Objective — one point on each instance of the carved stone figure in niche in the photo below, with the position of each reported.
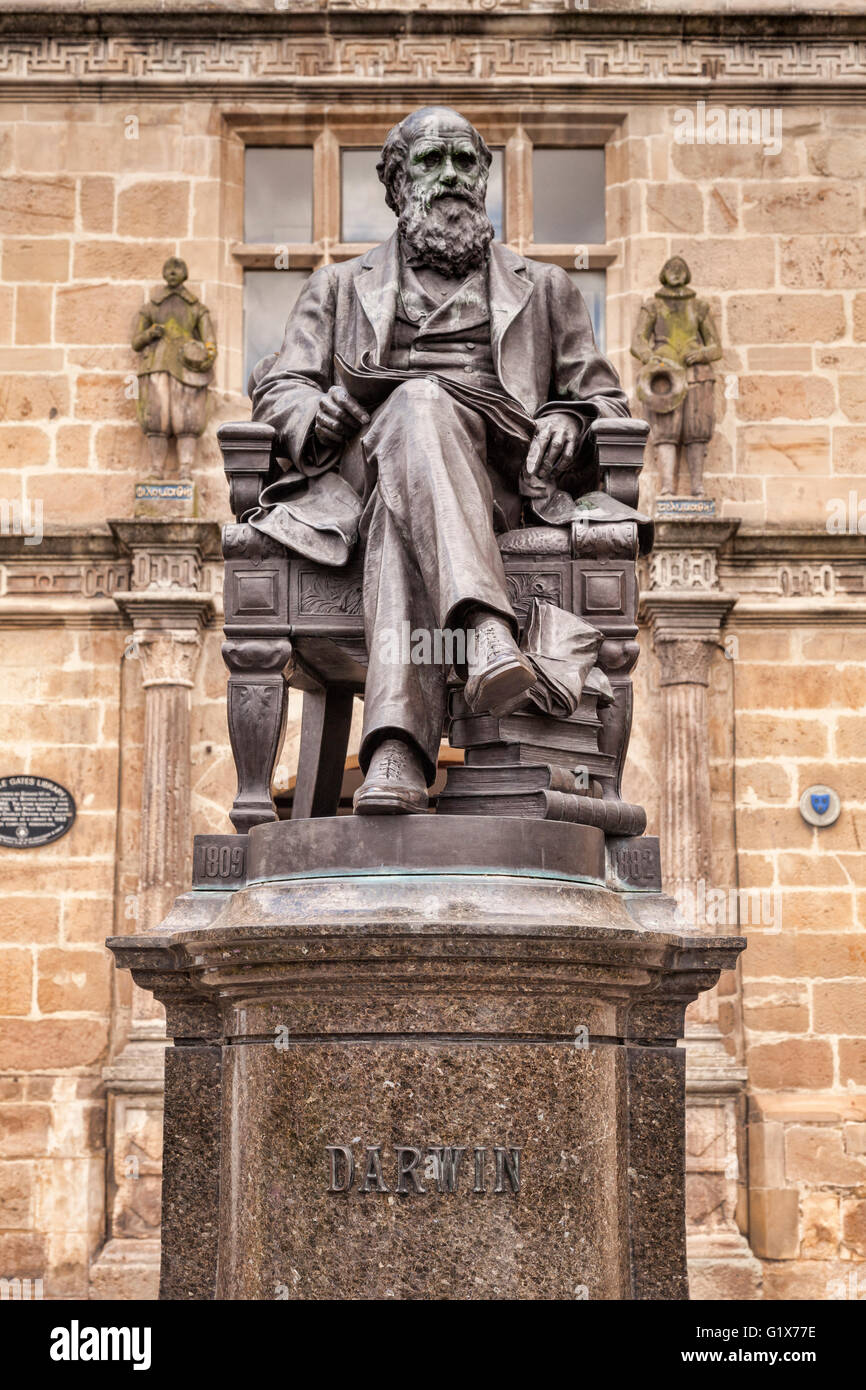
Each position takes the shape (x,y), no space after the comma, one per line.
(424,394)
(176,338)
(676,340)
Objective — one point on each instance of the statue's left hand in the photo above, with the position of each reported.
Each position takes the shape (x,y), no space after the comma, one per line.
(553,445)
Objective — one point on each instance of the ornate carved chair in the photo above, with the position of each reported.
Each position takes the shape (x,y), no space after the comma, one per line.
(292,622)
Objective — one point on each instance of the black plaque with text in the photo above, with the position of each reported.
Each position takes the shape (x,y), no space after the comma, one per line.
(33,811)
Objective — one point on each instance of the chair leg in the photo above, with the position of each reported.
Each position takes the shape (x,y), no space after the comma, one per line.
(325,725)
(257,707)
(617,659)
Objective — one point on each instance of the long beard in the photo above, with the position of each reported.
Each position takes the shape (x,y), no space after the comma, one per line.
(450,235)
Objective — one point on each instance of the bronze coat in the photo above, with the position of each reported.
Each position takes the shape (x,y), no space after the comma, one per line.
(541,336)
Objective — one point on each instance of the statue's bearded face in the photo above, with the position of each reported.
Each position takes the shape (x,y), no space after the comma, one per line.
(443,222)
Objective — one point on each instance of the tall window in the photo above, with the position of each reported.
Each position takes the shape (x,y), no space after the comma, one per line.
(319,200)
(568,218)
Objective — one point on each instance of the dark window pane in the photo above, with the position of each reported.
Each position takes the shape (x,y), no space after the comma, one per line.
(268,297)
(568,196)
(278,195)
(591,285)
(365,216)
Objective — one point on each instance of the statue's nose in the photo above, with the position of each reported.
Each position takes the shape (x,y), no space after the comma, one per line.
(449,173)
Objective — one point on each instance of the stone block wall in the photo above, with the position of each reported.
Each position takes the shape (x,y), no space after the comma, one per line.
(776,243)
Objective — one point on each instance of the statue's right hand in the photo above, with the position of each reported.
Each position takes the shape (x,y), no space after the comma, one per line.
(339,416)
(156,331)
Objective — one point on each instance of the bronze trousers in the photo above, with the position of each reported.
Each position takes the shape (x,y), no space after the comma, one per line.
(430,553)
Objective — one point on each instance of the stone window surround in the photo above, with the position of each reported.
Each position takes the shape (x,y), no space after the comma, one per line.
(329,133)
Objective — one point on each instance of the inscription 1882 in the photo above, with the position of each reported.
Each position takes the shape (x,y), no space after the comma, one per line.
(437,1167)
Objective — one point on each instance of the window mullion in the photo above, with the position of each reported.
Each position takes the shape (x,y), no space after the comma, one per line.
(326,191)
(518,189)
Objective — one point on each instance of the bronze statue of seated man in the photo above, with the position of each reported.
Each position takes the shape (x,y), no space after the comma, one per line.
(423,395)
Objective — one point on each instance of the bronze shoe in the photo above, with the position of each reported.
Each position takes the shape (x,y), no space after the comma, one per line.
(498,675)
(395,784)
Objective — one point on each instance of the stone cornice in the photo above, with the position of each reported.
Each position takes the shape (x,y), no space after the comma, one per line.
(750,544)
(686,613)
(368,18)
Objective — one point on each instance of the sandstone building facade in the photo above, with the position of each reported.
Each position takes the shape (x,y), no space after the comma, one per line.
(129,134)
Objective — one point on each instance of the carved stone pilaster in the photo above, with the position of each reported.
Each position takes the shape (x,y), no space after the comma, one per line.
(167,609)
(687,610)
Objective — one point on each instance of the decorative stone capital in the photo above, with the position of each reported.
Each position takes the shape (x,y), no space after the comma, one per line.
(688,616)
(684,660)
(169,656)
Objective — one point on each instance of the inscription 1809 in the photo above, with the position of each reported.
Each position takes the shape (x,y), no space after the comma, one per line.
(437,1167)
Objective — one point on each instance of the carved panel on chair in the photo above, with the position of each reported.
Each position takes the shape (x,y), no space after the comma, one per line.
(604,591)
(338,593)
(525,585)
(256,597)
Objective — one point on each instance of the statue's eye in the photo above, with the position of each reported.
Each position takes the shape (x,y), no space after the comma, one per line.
(465,159)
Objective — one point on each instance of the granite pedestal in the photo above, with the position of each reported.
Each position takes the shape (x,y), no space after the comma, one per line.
(404,1069)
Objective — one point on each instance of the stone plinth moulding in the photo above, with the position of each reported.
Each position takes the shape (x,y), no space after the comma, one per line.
(167,607)
(687,609)
(406,1069)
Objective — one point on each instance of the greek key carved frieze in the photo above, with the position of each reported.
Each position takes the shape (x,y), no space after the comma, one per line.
(634,61)
(86,580)
(793,578)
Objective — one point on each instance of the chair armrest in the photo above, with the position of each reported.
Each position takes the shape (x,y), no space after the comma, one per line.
(620,445)
(248,454)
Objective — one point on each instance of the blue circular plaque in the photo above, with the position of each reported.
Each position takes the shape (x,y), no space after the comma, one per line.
(820,805)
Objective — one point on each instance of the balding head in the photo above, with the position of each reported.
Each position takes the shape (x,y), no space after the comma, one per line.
(431,124)
(434,166)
